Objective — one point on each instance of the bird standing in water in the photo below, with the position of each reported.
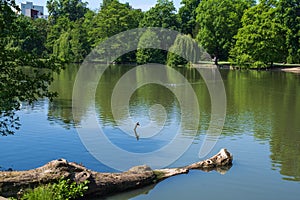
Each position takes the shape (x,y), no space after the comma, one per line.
(136,134)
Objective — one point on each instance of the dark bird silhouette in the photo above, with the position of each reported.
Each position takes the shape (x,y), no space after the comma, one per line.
(136,134)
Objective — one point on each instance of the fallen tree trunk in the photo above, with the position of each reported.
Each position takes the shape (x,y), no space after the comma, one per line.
(101,184)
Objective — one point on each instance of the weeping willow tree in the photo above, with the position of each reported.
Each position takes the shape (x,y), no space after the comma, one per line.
(71,46)
(62,47)
(184,51)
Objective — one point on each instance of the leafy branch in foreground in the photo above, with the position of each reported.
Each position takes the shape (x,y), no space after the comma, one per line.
(18,82)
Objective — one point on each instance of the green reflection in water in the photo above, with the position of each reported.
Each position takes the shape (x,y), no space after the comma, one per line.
(263,104)
(270,103)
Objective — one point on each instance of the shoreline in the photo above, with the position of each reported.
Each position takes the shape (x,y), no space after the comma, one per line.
(293,69)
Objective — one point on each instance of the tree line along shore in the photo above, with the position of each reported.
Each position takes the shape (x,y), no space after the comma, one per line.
(246,33)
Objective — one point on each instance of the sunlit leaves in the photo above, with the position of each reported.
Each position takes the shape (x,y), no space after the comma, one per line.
(289,16)
(161,15)
(261,40)
(219,21)
(112,19)
(72,9)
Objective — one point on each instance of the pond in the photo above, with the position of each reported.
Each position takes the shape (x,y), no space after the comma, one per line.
(261,130)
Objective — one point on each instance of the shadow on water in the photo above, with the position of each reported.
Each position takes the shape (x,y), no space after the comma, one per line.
(129,194)
(145,190)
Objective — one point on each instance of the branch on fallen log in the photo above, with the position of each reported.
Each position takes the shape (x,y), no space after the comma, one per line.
(101,184)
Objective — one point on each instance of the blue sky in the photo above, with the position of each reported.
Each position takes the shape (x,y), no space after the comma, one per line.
(95,4)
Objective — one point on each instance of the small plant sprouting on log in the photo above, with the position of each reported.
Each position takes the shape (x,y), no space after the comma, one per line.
(63,190)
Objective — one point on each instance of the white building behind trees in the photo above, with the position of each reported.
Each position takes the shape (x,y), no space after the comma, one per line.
(34,11)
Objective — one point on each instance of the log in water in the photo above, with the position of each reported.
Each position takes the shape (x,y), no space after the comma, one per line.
(101,184)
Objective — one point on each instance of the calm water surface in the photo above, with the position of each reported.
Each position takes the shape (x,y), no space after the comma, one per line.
(262,131)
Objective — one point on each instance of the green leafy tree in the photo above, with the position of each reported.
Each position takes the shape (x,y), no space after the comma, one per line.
(58,38)
(113,19)
(62,24)
(183,45)
(62,47)
(219,21)
(32,35)
(68,40)
(88,25)
(73,9)
(145,55)
(289,15)
(187,14)
(106,3)
(261,40)
(72,44)
(17,83)
(161,15)
(40,36)
(79,43)
(68,37)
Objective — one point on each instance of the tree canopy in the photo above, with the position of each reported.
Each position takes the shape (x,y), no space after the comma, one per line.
(261,40)
(72,9)
(219,21)
(163,14)
(145,55)
(187,15)
(184,46)
(20,48)
(289,16)
(114,18)
(218,26)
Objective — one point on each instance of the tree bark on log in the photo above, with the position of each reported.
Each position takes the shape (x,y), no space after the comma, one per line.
(102,184)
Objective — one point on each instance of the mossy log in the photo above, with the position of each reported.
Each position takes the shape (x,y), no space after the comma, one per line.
(101,184)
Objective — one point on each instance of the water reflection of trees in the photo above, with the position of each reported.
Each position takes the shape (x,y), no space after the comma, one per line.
(60,109)
(285,140)
(267,103)
(60,112)
(264,104)
(143,98)
(104,92)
